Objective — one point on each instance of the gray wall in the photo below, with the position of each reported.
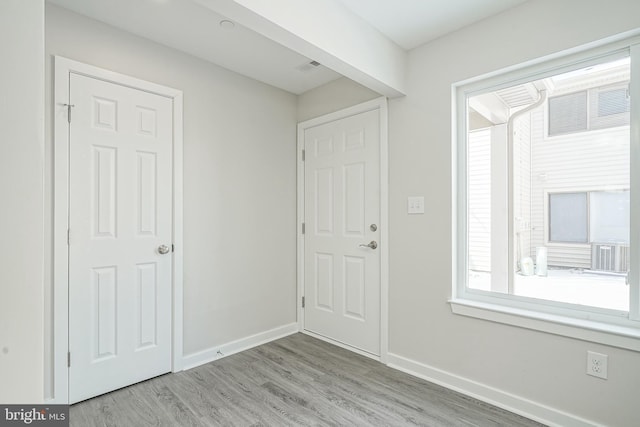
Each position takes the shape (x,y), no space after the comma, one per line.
(333,96)
(21,192)
(543,368)
(239,180)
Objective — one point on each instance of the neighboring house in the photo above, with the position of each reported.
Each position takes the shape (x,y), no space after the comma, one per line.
(570,174)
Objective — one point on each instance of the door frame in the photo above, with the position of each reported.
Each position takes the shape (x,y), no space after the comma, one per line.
(63,68)
(379,104)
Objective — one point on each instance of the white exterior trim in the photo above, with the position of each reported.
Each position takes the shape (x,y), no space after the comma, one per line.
(634,274)
(63,68)
(375,104)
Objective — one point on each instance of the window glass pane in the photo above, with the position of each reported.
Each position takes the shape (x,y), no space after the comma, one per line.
(609,217)
(568,113)
(609,107)
(568,217)
(541,221)
(613,102)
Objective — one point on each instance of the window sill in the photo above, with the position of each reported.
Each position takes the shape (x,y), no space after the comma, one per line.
(586,330)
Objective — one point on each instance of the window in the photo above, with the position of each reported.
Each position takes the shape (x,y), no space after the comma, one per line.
(612,102)
(612,107)
(588,217)
(543,225)
(609,214)
(596,108)
(568,217)
(568,113)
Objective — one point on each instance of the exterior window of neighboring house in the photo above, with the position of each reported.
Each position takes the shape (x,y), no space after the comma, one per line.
(589,217)
(544,199)
(597,108)
(568,217)
(568,113)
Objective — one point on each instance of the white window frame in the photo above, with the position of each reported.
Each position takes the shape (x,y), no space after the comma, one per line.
(615,328)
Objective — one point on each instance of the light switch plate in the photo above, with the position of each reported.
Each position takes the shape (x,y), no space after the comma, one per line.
(415,205)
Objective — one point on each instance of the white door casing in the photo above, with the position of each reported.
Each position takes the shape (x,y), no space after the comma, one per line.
(344,281)
(120,164)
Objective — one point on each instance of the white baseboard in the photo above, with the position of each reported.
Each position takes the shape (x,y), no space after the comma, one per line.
(502,399)
(218,352)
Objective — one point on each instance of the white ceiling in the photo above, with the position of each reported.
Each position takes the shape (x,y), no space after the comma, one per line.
(411,23)
(194,29)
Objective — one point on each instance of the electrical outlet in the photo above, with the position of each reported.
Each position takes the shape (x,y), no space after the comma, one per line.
(597,364)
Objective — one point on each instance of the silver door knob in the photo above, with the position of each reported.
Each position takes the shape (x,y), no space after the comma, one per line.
(372,244)
(163,249)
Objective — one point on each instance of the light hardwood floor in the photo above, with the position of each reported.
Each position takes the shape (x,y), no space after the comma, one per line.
(294,381)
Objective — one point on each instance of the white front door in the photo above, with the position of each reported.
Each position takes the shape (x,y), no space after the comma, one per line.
(120,215)
(342,222)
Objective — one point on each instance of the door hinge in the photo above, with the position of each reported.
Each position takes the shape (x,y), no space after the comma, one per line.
(68,359)
(302,302)
(303,155)
(173,248)
(68,236)
(69,106)
(303,228)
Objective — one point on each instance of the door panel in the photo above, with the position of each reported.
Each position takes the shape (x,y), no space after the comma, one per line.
(354,284)
(146,311)
(354,192)
(324,282)
(104,312)
(342,201)
(119,214)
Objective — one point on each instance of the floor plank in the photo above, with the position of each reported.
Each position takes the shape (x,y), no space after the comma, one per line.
(294,381)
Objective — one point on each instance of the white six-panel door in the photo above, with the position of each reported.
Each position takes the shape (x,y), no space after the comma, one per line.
(120,214)
(342,216)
